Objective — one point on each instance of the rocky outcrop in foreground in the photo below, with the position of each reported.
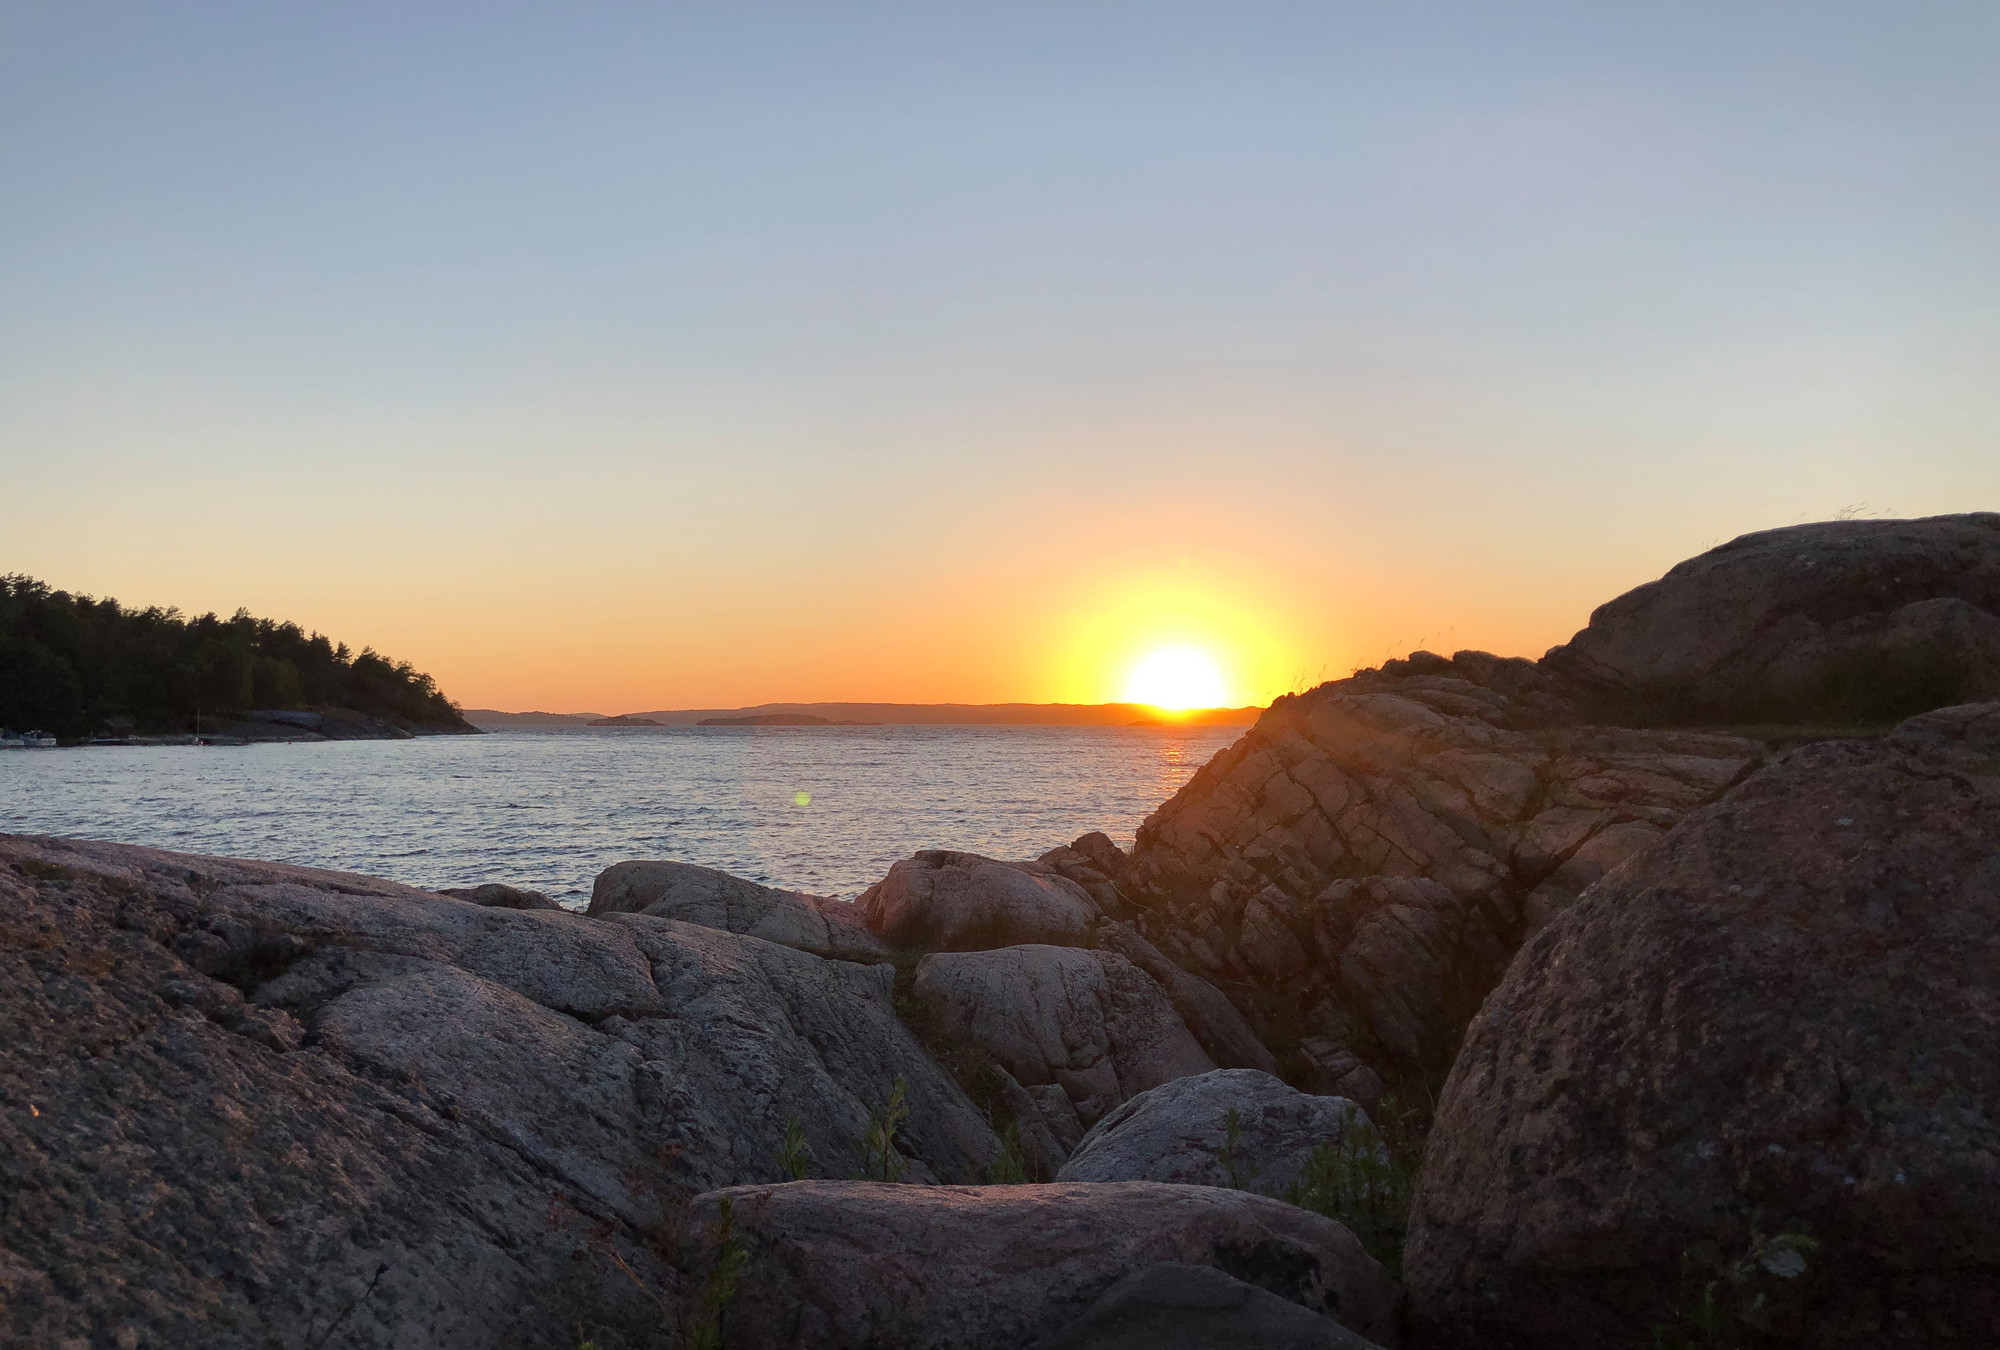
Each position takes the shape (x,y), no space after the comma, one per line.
(1768,1049)
(248,1102)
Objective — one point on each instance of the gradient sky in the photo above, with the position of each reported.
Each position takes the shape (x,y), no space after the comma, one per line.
(622,357)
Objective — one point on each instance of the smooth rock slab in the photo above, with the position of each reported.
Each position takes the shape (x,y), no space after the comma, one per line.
(1179,1132)
(1782,1020)
(834,1265)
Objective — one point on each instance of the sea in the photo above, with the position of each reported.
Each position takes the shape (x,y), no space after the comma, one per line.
(818,809)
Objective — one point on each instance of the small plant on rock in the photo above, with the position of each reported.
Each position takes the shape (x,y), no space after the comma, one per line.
(1735,1304)
(1007,1168)
(880,1160)
(719,1289)
(793,1159)
(1364,1179)
(1240,1171)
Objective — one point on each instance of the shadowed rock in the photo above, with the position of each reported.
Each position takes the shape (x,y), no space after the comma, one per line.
(1780,1022)
(831,1265)
(702,895)
(1179,1132)
(1850,621)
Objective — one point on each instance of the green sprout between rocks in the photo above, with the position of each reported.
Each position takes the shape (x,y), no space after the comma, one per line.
(1241,1172)
(793,1159)
(1734,1304)
(1007,1168)
(880,1160)
(1364,1179)
(719,1289)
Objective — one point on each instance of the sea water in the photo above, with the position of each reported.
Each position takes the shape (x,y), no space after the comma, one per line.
(820,809)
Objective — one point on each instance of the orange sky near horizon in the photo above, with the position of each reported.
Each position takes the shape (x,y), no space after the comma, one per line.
(1064,620)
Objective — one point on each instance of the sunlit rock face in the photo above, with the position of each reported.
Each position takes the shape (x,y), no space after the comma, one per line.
(940,900)
(1357,871)
(1854,621)
(1778,1025)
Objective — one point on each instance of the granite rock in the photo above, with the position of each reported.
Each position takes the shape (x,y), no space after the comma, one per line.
(1779,1023)
(944,901)
(1854,621)
(1179,1132)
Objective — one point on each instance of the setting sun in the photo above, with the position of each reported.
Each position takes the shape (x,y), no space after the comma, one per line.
(1175,678)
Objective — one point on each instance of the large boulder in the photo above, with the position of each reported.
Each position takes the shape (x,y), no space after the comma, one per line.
(1179,1307)
(249,1101)
(959,902)
(1777,1029)
(713,899)
(1088,1022)
(1849,621)
(1356,872)
(1181,1132)
(831,1265)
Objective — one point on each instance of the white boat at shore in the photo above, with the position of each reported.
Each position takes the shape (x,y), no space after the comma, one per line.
(26,740)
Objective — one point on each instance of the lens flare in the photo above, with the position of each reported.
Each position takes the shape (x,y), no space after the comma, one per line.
(1176,679)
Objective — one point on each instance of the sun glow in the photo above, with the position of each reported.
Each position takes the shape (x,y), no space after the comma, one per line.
(1175,679)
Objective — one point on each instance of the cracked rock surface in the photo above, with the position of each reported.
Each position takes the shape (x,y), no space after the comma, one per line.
(249,1104)
(1357,871)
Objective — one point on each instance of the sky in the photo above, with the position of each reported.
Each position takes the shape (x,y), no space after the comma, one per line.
(616,357)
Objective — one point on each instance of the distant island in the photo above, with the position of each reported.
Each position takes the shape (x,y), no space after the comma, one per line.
(778,720)
(624,720)
(891,714)
(88,669)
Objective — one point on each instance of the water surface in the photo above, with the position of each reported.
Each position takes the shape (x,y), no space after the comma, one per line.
(550,807)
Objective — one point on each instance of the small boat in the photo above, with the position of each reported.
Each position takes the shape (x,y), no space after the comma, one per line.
(26,740)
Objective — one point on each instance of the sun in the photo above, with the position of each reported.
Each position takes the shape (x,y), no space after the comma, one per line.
(1175,679)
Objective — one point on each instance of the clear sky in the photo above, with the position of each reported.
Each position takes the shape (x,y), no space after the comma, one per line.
(634,356)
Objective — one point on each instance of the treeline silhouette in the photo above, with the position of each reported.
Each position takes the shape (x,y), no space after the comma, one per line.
(69,664)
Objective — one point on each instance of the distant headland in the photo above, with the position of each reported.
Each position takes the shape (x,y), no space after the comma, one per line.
(84,669)
(884,714)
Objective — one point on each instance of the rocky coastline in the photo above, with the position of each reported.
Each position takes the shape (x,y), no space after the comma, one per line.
(1639,996)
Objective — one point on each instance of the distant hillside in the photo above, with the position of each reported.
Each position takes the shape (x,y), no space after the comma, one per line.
(898,714)
(78,666)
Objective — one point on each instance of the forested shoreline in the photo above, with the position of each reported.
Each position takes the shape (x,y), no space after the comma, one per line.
(78,666)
